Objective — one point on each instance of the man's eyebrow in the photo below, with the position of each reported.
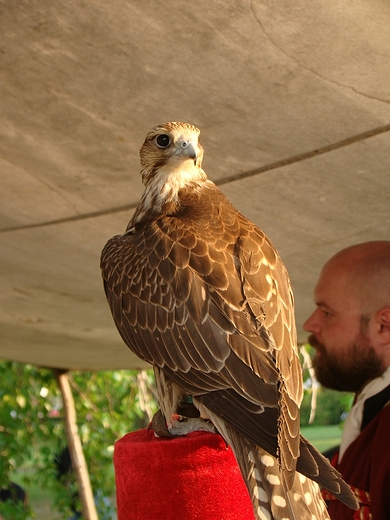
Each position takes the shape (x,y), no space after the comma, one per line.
(320,303)
(328,308)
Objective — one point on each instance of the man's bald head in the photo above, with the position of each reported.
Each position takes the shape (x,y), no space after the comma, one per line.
(366,268)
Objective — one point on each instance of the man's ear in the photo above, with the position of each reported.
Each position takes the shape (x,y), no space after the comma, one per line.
(383,321)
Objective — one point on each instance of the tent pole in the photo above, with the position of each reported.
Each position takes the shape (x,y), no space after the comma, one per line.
(75,448)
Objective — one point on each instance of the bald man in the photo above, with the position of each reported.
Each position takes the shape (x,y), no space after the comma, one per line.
(350,330)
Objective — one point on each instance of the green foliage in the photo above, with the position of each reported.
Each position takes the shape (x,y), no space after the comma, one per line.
(331,407)
(109,404)
(13,511)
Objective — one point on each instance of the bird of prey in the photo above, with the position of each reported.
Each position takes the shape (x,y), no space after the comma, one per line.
(200,292)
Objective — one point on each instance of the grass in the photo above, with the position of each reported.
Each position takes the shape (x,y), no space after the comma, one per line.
(323,437)
(42,504)
(40,500)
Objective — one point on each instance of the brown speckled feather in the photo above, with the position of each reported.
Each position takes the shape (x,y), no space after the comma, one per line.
(198,291)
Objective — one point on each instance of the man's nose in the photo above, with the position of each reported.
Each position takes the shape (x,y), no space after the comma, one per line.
(311,324)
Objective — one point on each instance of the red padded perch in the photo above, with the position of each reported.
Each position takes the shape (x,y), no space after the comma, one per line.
(195,477)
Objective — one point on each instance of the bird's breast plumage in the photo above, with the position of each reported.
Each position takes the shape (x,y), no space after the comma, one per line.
(206,263)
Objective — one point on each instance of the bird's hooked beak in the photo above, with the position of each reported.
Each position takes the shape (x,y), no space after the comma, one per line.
(187,148)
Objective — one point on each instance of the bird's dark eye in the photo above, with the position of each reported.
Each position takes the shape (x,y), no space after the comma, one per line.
(163,141)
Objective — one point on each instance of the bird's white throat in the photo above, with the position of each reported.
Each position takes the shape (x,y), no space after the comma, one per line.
(171,178)
(165,185)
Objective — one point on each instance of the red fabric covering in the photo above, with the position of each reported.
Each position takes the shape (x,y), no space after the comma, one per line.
(193,478)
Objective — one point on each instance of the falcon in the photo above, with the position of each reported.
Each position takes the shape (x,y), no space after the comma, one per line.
(199,291)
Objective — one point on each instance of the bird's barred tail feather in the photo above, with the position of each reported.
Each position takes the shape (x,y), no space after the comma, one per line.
(269,494)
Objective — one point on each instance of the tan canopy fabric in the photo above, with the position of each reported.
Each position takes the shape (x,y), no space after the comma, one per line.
(293,103)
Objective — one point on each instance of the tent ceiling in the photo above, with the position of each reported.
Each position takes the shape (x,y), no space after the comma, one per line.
(293,103)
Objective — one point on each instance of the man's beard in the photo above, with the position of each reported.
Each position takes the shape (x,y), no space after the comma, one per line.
(350,368)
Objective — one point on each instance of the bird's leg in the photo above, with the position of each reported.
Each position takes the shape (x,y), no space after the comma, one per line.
(183,425)
(178,415)
(186,420)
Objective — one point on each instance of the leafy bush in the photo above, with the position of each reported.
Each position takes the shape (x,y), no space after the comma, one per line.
(109,404)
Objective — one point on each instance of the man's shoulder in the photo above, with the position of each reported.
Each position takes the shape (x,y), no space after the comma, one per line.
(382,419)
(384,413)
(376,434)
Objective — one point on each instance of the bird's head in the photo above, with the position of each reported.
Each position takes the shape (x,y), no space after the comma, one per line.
(171,146)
